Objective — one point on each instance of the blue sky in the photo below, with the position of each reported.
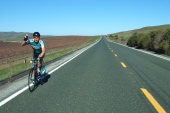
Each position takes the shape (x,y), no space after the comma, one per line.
(81,17)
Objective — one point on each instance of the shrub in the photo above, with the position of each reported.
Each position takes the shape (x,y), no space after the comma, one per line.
(145,41)
(158,41)
(133,40)
(164,46)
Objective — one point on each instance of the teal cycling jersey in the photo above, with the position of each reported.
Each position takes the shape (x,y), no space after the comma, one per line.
(37,47)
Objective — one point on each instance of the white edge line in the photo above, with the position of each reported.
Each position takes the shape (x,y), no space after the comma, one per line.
(13,96)
(25,88)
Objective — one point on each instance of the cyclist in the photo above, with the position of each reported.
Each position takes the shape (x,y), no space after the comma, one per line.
(39,50)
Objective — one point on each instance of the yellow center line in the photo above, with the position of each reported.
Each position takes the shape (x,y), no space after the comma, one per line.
(115,55)
(153,101)
(123,64)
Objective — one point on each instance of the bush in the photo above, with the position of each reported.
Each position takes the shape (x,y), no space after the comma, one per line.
(144,42)
(166,36)
(133,40)
(158,41)
(164,46)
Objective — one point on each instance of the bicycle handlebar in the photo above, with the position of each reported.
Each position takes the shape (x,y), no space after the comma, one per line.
(31,60)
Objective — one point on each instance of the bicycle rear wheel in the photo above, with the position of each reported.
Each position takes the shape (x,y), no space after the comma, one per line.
(32,80)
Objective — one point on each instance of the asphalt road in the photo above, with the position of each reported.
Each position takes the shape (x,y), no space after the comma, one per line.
(106,78)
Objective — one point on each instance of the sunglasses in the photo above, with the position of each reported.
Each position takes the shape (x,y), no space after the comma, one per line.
(36,37)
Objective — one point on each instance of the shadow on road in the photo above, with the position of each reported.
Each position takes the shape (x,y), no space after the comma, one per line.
(44,79)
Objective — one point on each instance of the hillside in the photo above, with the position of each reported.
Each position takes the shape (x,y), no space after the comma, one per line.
(15,36)
(127,34)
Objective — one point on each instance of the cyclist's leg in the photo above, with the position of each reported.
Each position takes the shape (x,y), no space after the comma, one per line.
(43,69)
(35,56)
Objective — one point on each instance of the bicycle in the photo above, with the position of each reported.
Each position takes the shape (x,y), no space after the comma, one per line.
(33,79)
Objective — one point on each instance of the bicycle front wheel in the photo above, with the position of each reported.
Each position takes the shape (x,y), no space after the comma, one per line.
(31,80)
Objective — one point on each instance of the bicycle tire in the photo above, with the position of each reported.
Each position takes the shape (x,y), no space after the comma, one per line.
(31,79)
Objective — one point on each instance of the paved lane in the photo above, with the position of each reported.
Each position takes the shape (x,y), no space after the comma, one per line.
(97,82)
(148,71)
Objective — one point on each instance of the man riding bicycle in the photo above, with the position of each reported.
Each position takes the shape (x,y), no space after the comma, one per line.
(39,50)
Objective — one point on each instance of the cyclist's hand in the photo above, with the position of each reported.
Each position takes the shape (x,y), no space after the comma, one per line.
(26,37)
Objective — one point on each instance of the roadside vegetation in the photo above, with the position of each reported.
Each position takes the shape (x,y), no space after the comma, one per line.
(12,65)
(157,41)
(155,38)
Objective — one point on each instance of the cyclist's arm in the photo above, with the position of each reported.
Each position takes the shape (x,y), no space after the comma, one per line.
(43,52)
(23,43)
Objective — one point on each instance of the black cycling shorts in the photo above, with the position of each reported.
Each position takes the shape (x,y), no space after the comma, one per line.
(35,55)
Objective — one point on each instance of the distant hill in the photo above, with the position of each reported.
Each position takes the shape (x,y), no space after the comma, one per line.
(16,36)
(127,34)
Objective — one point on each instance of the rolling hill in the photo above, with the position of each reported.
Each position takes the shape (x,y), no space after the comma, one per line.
(127,34)
(16,36)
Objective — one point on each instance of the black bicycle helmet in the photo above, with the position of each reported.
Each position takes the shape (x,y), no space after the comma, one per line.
(36,34)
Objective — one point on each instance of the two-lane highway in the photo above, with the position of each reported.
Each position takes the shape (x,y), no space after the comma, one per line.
(106,78)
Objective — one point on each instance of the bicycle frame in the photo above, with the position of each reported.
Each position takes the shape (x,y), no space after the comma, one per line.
(34,65)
